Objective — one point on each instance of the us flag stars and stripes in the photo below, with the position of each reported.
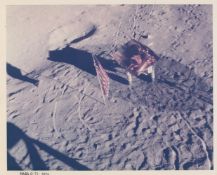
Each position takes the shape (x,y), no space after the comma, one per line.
(102,77)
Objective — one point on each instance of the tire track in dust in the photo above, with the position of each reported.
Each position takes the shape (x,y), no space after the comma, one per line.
(205,147)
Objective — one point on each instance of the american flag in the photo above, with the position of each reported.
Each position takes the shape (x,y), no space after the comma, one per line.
(102,77)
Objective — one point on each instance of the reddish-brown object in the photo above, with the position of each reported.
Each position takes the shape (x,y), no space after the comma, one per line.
(135,57)
(102,77)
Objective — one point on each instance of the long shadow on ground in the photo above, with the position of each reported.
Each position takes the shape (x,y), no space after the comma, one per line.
(16,73)
(83,60)
(15,134)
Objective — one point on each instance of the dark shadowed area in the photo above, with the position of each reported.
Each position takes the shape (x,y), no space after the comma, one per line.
(15,135)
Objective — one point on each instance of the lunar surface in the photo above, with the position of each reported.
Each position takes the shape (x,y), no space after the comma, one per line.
(56,116)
